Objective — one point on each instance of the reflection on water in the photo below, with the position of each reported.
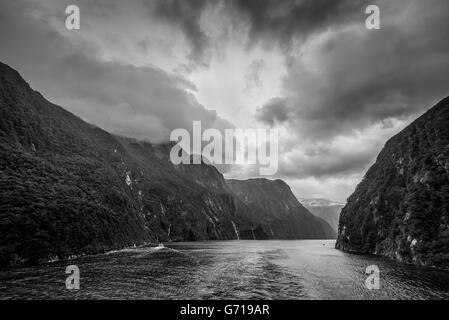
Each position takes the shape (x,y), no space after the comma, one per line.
(309,269)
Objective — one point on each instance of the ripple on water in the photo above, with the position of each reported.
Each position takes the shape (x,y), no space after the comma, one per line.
(226,270)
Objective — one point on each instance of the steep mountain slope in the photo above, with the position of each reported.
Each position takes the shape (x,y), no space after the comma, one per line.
(279,211)
(325,209)
(69,188)
(401,207)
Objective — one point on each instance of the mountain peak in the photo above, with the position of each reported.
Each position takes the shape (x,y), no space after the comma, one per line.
(320,202)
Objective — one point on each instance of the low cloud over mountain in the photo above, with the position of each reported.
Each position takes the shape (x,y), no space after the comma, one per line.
(335,90)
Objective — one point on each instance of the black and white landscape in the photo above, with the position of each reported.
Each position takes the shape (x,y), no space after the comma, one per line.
(87,176)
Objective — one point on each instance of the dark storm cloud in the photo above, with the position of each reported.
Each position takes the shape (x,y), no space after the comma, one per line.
(348,79)
(142,102)
(274,111)
(341,78)
(366,77)
(186,15)
(280,22)
(270,21)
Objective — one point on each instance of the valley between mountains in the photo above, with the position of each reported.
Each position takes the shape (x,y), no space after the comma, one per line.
(70,188)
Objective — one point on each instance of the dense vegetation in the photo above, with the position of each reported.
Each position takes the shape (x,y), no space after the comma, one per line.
(285,219)
(401,208)
(70,188)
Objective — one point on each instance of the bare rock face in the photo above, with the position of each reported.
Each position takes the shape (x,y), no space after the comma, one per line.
(401,207)
(70,188)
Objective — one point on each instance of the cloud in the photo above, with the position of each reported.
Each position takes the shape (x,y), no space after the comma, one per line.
(274,111)
(186,15)
(340,90)
(343,156)
(336,189)
(350,78)
(344,82)
(142,102)
(348,90)
(282,22)
(341,76)
(270,22)
(253,75)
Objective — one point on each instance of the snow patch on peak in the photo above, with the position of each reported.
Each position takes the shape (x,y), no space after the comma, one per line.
(320,202)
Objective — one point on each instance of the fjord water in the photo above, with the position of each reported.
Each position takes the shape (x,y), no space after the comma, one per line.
(306,269)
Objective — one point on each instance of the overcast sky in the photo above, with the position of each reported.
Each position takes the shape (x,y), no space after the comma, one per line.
(335,90)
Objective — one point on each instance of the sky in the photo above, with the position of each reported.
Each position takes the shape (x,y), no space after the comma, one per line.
(335,90)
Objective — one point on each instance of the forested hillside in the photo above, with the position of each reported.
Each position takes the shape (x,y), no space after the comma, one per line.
(70,188)
(401,208)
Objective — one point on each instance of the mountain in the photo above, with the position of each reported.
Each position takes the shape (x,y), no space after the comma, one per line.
(401,207)
(279,210)
(70,188)
(325,209)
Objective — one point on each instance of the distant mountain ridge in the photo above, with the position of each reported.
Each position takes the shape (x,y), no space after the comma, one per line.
(320,202)
(70,188)
(401,207)
(286,218)
(325,209)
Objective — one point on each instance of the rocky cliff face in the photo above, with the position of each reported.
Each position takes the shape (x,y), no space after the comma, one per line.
(325,209)
(70,188)
(280,213)
(401,208)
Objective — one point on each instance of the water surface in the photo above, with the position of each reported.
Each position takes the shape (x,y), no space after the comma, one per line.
(303,269)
